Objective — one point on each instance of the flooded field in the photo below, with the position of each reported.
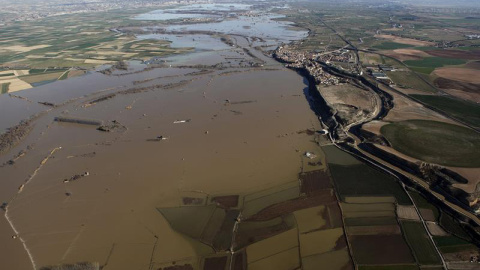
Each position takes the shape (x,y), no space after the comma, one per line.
(226,147)
(192,11)
(181,143)
(120,162)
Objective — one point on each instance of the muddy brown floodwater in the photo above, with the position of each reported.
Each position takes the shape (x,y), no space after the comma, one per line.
(81,194)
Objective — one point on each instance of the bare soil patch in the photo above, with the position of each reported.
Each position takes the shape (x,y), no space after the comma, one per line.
(475,97)
(374,126)
(406,109)
(407,54)
(456,54)
(407,212)
(16,85)
(445,83)
(347,94)
(473,176)
(459,74)
(351,103)
(473,65)
(408,41)
(75,73)
(435,229)
(22,49)
(465,255)
(427,214)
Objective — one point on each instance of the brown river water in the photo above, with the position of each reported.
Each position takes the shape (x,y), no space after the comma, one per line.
(241,135)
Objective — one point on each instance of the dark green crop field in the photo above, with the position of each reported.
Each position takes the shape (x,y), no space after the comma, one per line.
(435,142)
(420,243)
(466,111)
(391,46)
(429,64)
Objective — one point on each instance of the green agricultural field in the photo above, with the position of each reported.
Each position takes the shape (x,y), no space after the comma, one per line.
(5,88)
(435,142)
(64,76)
(450,244)
(421,202)
(354,178)
(461,21)
(362,180)
(429,64)
(42,77)
(371,221)
(391,46)
(452,226)
(421,245)
(69,40)
(408,79)
(463,110)
(380,249)
(422,70)
(427,48)
(388,267)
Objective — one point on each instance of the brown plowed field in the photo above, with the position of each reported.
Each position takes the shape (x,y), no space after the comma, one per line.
(407,212)
(312,182)
(407,54)
(216,263)
(445,83)
(388,249)
(459,74)
(226,201)
(408,41)
(457,54)
(427,214)
(473,65)
(373,230)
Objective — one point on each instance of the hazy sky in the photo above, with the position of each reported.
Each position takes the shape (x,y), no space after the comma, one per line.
(452,3)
